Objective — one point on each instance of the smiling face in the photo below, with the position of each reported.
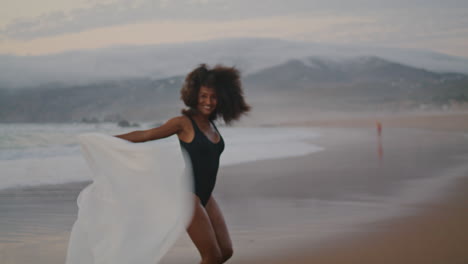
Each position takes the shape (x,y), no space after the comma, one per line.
(207,101)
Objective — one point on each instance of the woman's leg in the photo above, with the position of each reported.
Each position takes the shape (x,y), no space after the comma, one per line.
(219,225)
(203,236)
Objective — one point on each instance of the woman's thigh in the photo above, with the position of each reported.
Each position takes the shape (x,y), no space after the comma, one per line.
(202,233)
(219,225)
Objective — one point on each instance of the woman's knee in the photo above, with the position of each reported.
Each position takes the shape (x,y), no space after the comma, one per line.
(214,256)
(226,254)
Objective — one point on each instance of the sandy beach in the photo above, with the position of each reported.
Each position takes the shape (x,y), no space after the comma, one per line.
(400,198)
(438,233)
(435,233)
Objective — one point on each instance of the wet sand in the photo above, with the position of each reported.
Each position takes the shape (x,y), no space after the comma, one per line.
(436,233)
(436,121)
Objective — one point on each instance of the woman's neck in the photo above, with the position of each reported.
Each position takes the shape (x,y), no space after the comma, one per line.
(201,118)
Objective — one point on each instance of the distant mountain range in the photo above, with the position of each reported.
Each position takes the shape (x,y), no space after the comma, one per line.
(369,69)
(362,83)
(296,86)
(166,60)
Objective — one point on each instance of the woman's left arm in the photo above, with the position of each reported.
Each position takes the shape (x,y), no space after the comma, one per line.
(171,127)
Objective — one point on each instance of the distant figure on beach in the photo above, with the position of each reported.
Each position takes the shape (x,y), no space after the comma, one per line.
(379,140)
(379,128)
(208,94)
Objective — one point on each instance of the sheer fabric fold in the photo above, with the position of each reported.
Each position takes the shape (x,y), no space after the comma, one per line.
(137,205)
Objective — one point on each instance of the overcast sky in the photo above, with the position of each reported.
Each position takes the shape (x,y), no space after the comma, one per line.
(51,26)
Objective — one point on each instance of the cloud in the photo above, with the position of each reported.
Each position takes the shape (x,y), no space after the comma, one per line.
(382,22)
(100,15)
(286,27)
(105,13)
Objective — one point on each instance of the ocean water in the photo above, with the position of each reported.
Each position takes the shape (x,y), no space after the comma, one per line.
(38,154)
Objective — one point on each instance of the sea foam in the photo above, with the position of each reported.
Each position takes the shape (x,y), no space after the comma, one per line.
(32,154)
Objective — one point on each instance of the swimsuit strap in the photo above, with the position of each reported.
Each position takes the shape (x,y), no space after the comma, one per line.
(215,127)
(196,128)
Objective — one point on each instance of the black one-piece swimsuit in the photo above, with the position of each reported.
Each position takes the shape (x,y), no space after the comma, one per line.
(204,157)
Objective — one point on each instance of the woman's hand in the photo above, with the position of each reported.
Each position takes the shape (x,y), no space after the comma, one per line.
(171,127)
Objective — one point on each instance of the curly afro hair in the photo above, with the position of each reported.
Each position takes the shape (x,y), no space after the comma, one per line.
(226,82)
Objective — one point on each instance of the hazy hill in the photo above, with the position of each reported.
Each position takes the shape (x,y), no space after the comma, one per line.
(362,83)
(308,84)
(328,71)
(135,99)
(162,61)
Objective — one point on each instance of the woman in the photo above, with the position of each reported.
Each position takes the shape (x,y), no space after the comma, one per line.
(208,94)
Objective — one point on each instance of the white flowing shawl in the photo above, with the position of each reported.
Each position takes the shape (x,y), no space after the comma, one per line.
(137,205)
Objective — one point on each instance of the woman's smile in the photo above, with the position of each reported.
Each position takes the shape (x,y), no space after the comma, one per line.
(207,100)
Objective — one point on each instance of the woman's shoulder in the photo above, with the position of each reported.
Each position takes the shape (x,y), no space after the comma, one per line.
(182,120)
(185,127)
(179,118)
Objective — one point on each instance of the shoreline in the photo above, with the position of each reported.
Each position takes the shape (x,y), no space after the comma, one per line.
(437,121)
(437,232)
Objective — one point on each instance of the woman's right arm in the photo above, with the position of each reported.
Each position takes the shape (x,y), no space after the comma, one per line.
(171,127)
